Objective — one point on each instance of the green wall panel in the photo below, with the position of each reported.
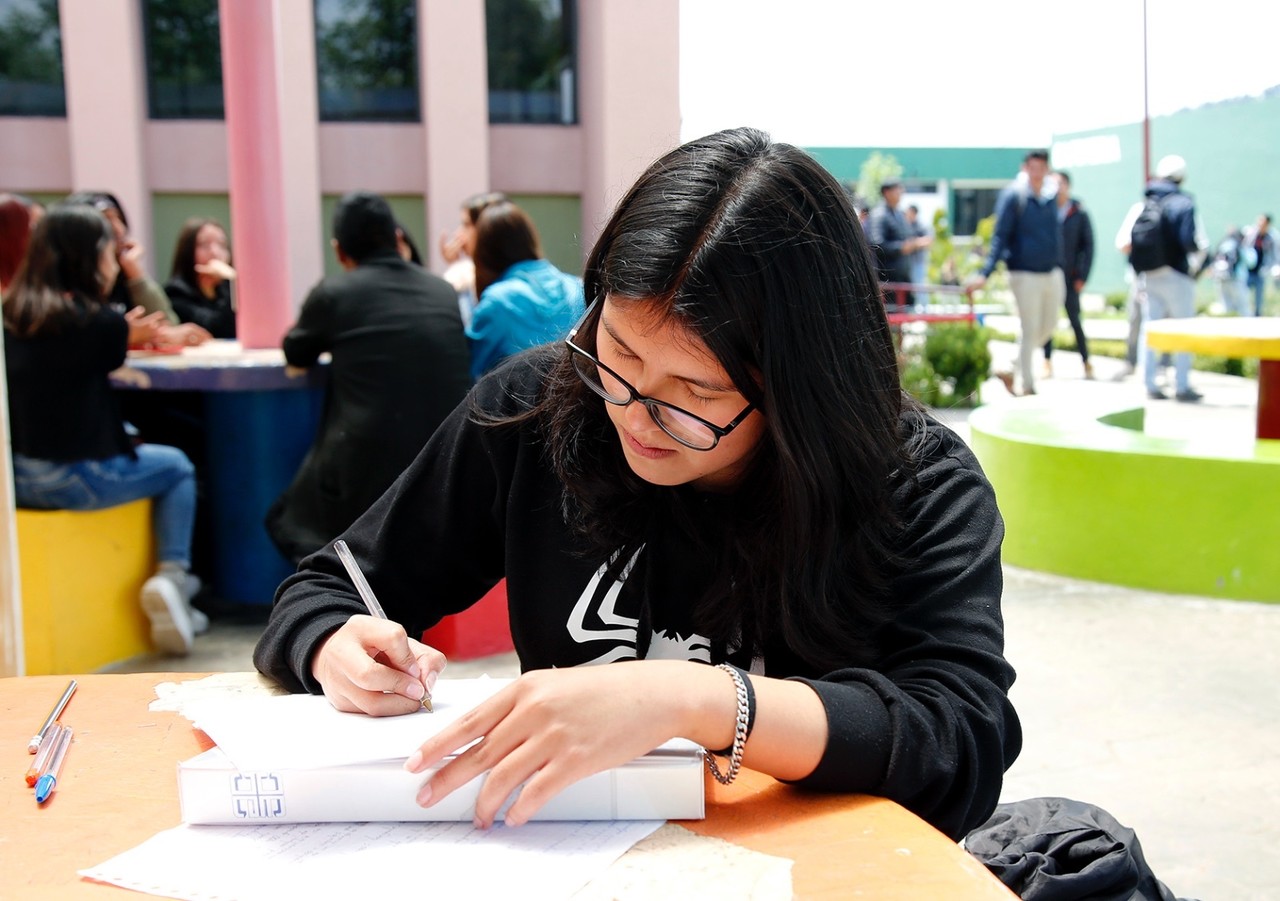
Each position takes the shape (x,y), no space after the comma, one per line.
(1231,171)
(926,163)
(168,212)
(409,210)
(558,218)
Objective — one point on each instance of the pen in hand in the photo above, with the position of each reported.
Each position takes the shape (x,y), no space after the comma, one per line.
(369,598)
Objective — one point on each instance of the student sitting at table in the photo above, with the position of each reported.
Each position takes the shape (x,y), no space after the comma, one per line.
(133,287)
(70,450)
(399,367)
(524,299)
(200,280)
(458,248)
(716,482)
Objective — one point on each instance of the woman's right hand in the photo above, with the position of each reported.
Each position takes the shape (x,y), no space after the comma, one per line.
(187,334)
(451,245)
(216,270)
(372,666)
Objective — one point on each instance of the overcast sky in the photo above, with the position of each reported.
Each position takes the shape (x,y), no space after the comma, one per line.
(857,73)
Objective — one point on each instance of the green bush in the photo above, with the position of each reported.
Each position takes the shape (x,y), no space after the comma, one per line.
(948,369)
(1117,300)
(960,354)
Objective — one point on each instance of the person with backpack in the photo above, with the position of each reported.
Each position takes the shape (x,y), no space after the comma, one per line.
(1028,240)
(1164,235)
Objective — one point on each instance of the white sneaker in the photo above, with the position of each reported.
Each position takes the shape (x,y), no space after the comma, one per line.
(191,588)
(171,625)
(199,621)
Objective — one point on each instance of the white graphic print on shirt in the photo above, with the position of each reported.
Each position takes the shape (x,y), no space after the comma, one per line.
(622,629)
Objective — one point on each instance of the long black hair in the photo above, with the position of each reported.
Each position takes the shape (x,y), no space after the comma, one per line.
(60,277)
(505,235)
(754,248)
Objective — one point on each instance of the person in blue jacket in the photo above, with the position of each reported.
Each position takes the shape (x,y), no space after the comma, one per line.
(524,300)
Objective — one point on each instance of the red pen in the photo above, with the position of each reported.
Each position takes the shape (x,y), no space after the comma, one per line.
(45,754)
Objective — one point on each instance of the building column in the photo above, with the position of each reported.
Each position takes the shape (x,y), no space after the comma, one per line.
(104,71)
(252,79)
(12,636)
(300,136)
(455,113)
(628,98)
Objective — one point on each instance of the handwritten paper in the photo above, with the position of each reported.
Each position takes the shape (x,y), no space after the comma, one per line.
(305,731)
(372,860)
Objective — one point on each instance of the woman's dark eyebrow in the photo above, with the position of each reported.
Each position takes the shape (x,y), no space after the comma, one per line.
(706,386)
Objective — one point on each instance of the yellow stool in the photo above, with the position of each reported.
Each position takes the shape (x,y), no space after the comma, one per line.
(81,577)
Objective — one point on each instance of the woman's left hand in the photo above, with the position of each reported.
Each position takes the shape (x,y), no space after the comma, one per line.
(144,327)
(551,728)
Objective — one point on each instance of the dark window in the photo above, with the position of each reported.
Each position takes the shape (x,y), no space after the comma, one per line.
(533,61)
(184,59)
(367,60)
(31,59)
(972,205)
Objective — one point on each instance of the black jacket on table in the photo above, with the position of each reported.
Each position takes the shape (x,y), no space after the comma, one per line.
(216,315)
(61,405)
(400,365)
(927,722)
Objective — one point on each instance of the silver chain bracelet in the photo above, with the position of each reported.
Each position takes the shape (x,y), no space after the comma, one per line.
(739,730)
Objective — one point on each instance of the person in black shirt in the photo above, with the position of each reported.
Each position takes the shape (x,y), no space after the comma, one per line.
(399,366)
(70,449)
(201,280)
(894,239)
(716,486)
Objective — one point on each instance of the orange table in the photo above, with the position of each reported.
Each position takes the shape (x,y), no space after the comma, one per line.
(119,787)
(1231,336)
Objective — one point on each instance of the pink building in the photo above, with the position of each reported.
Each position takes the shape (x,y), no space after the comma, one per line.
(274,163)
(101,100)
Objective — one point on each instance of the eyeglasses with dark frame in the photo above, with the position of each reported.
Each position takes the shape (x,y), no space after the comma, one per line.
(689,429)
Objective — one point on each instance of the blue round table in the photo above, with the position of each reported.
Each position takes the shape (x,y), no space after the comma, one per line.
(260,420)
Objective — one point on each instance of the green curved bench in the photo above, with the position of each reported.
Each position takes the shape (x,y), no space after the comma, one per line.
(1085,493)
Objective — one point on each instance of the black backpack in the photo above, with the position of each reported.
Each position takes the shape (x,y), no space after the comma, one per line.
(1148,243)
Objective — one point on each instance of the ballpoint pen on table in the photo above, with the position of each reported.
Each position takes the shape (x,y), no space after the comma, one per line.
(48,781)
(34,744)
(47,747)
(369,598)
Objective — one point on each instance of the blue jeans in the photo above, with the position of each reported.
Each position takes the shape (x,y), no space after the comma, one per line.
(1169,295)
(1258,282)
(161,473)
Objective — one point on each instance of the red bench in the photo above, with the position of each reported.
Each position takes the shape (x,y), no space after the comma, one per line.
(900,308)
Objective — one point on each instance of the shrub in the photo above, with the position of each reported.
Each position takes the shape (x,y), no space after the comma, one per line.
(948,369)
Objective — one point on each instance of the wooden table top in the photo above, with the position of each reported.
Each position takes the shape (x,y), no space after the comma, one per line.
(118,787)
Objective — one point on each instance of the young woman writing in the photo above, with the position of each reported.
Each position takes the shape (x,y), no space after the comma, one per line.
(717,467)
